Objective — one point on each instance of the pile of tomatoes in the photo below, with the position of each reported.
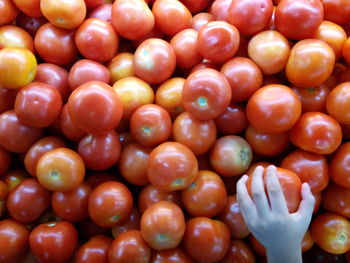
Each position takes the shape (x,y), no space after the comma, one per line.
(125,125)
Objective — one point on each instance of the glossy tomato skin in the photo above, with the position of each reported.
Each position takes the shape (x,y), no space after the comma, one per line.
(129,247)
(316,132)
(250,16)
(14,36)
(305,16)
(238,252)
(338,101)
(273,109)
(313,99)
(196,6)
(172,166)
(60,169)
(171,256)
(14,136)
(8,12)
(206,94)
(339,166)
(97,40)
(28,201)
(225,44)
(121,66)
(104,107)
(103,12)
(163,225)
(201,19)
(206,240)
(14,238)
(233,120)
(110,203)
(337,11)
(94,250)
(220,9)
(231,155)
(7,99)
(331,232)
(336,199)
(154,60)
(132,223)
(14,177)
(30,24)
(53,242)
(69,130)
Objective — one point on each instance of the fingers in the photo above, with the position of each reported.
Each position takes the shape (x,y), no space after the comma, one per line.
(246,204)
(306,205)
(276,196)
(258,192)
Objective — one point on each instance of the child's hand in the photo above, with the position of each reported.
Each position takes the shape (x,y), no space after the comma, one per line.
(268,219)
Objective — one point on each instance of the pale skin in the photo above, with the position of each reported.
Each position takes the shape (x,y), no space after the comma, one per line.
(268,218)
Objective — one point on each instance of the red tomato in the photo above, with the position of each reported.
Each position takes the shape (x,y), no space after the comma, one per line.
(93,3)
(129,247)
(172,166)
(94,250)
(14,36)
(273,109)
(195,6)
(238,252)
(175,255)
(4,191)
(53,242)
(163,225)
(304,15)
(338,103)
(121,66)
(67,127)
(5,160)
(132,19)
(316,132)
(97,40)
(201,19)
(154,60)
(171,16)
(110,203)
(220,9)
(233,120)
(206,94)
(14,241)
(132,223)
(311,168)
(331,232)
(30,7)
(206,196)
(206,240)
(103,12)
(60,169)
(30,24)
(231,155)
(336,199)
(339,166)
(218,41)
(337,11)
(7,99)
(64,14)
(95,108)
(14,177)
(8,12)
(291,187)
(250,16)
(313,99)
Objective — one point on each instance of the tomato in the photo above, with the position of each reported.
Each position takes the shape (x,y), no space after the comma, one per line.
(206,64)
(17,62)
(270,50)
(55,76)
(316,132)
(291,187)
(132,223)
(171,256)
(311,168)
(64,14)
(30,8)
(73,205)
(133,164)
(28,201)
(195,6)
(206,196)
(6,159)
(305,16)
(273,109)
(14,177)
(244,77)
(337,11)
(206,94)
(121,66)
(336,199)
(338,101)
(163,225)
(110,203)
(60,169)
(313,99)
(316,69)
(132,19)
(95,108)
(154,60)
(94,250)
(172,166)
(7,99)
(186,48)
(14,239)
(231,155)
(67,127)
(129,247)
(331,232)
(171,16)
(93,3)
(55,45)
(218,41)
(53,242)
(257,246)
(339,166)
(318,200)
(250,16)
(4,191)
(13,36)
(201,19)
(206,240)
(233,120)
(238,252)
(14,136)
(97,40)
(103,12)
(220,9)
(307,242)
(8,12)
(134,93)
